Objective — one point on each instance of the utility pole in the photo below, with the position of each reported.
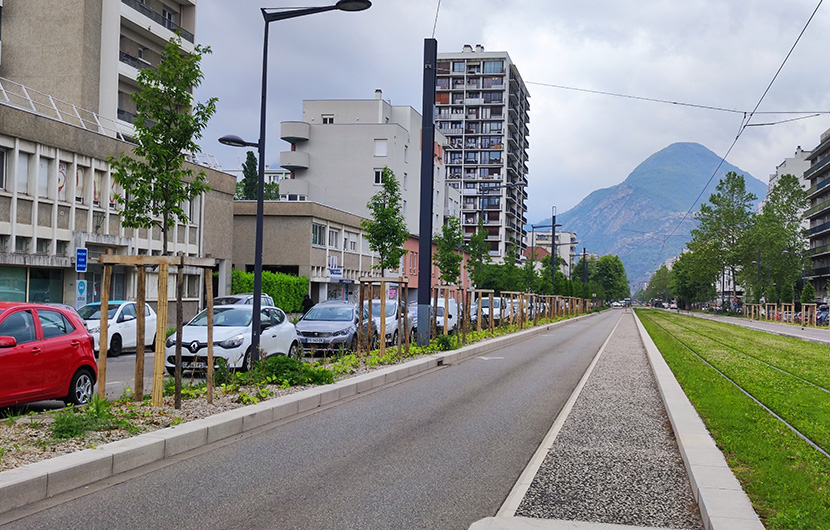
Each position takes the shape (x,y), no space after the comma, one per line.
(584,271)
(427,163)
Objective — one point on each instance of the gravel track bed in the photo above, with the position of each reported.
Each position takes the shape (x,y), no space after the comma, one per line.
(615,459)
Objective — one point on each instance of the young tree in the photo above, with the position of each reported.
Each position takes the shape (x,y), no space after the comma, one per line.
(447,258)
(386,230)
(658,285)
(722,223)
(611,275)
(479,250)
(808,294)
(686,283)
(167,126)
(250,178)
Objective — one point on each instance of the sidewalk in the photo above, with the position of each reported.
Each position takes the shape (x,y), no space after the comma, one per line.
(809,334)
(629,451)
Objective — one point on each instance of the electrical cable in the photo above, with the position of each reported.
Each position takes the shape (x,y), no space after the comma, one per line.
(435,24)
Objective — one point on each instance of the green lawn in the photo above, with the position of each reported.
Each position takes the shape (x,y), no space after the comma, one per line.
(787,480)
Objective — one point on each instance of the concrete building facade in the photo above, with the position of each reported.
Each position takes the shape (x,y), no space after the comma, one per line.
(483,111)
(339,149)
(818,215)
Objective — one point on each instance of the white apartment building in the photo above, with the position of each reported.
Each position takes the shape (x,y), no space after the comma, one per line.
(483,107)
(339,149)
(565,247)
(796,165)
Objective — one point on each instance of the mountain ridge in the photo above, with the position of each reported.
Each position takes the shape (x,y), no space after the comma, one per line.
(634,219)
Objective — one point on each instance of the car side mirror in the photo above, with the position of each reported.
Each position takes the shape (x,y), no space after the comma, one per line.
(8,342)
(125,318)
(264,325)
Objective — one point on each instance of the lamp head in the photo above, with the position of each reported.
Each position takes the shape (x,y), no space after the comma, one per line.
(353,5)
(235,141)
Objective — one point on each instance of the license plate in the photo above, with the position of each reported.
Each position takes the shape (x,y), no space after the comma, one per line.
(315,340)
(192,365)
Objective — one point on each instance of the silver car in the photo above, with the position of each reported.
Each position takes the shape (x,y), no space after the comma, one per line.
(331,325)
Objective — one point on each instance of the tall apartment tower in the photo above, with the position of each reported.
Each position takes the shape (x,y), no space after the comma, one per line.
(818,215)
(88,52)
(482,109)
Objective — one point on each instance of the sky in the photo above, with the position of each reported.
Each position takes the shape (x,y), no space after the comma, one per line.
(701,52)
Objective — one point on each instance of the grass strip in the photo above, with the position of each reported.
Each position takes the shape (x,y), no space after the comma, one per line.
(804,359)
(787,481)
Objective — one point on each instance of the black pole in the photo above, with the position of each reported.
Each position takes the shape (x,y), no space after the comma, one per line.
(584,271)
(427,162)
(554,264)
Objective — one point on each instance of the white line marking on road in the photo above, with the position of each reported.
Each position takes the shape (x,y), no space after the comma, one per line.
(490,358)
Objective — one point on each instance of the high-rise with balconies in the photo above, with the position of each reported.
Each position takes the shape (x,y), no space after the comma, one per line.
(88,52)
(818,215)
(482,109)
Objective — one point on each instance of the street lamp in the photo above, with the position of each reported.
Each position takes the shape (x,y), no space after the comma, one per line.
(270,15)
(554,265)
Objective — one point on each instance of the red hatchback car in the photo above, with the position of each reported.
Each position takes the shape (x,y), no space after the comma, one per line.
(45,353)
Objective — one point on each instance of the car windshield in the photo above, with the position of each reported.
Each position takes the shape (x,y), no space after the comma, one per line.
(390,308)
(236,317)
(227,300)
(485,302)
(329,313)
(93,312)
(440,311)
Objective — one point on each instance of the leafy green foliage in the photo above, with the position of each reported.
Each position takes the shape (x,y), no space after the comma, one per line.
(447,257)
(97,415)
(154,181)
(286,290)
(610,273)
(479,250)
(250,178)
(658,286)
(687,283)
(386,231)
(808,294)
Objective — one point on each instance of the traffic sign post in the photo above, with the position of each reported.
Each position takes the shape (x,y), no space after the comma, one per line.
(80,259)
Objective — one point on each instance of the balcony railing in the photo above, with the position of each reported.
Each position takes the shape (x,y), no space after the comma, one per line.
(817,208)
(135,62)
(819,228)
(159,18)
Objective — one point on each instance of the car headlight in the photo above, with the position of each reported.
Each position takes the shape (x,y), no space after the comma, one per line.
(233,342)
(171,341)
(341,333)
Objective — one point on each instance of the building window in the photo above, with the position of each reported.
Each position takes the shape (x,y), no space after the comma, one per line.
(406,153)
(79,185)
(2,169)
(458,66)
(23,173)
(378,177)
(404,206)
(21,244)
(328,119)
(62,181)
(43,246)
(493,67)
(318,235)
(97,180)
(405,176)
(334,235)
(381,147)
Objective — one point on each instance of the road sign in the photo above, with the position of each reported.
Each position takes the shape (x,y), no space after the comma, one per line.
(80,294)
(80,259)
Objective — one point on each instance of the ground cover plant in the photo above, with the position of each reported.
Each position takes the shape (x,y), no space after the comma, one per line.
(787,480)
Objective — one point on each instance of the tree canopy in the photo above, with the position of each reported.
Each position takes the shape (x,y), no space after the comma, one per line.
(386,231)
(447,256)
(167,125)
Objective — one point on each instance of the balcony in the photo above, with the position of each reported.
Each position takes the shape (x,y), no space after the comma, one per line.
(159,18)
(819,251)
(819,229)
(294,160)
(295,131)
(135,62)
(812,192)
(820,207)
(817,166)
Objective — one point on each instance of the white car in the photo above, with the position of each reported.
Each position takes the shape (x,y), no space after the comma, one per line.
(121,325)
(232,338)
(391,325)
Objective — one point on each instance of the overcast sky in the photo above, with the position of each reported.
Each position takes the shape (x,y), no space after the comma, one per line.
(703,52)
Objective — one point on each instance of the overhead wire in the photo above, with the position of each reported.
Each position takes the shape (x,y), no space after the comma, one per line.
(435,24)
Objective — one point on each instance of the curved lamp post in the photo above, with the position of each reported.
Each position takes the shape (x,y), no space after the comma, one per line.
(270,15)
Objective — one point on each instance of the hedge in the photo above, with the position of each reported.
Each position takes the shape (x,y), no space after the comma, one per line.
(286,290)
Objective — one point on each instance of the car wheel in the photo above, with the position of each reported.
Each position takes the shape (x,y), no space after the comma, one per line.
(80,388)
(394,337)
(247,362)
(295,351)
(153,344)
(353,345)
(115,346)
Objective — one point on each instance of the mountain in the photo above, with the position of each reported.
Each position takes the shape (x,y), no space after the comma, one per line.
(633,218)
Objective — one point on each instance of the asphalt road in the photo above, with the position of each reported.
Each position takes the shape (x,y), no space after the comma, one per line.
(438,451)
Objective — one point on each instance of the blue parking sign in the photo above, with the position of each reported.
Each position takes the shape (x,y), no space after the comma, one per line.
(80,260)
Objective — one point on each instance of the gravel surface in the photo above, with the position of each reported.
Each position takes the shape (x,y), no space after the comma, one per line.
(615,459)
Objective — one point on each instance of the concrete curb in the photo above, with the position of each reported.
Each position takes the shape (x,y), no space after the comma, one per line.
(723,503)
(41,480)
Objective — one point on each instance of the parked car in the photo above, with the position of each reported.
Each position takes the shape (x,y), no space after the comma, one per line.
(244,298)
(332,325)
(486,312)
(232,338)
(392,313)
(45,353)
(453,315)
(121,325)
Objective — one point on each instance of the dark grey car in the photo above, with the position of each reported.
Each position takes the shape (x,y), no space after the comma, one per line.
(330,326)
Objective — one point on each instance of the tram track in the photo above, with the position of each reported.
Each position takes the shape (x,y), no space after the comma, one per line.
(760,403)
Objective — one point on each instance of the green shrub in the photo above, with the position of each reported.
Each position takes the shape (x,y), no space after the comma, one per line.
(286,290)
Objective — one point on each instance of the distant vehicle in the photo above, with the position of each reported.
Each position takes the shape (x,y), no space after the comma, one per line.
(453,315)
(232,338)
(45,353)
(121,325)
(332,325)
(616,304)
(244,298)
(486,311)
